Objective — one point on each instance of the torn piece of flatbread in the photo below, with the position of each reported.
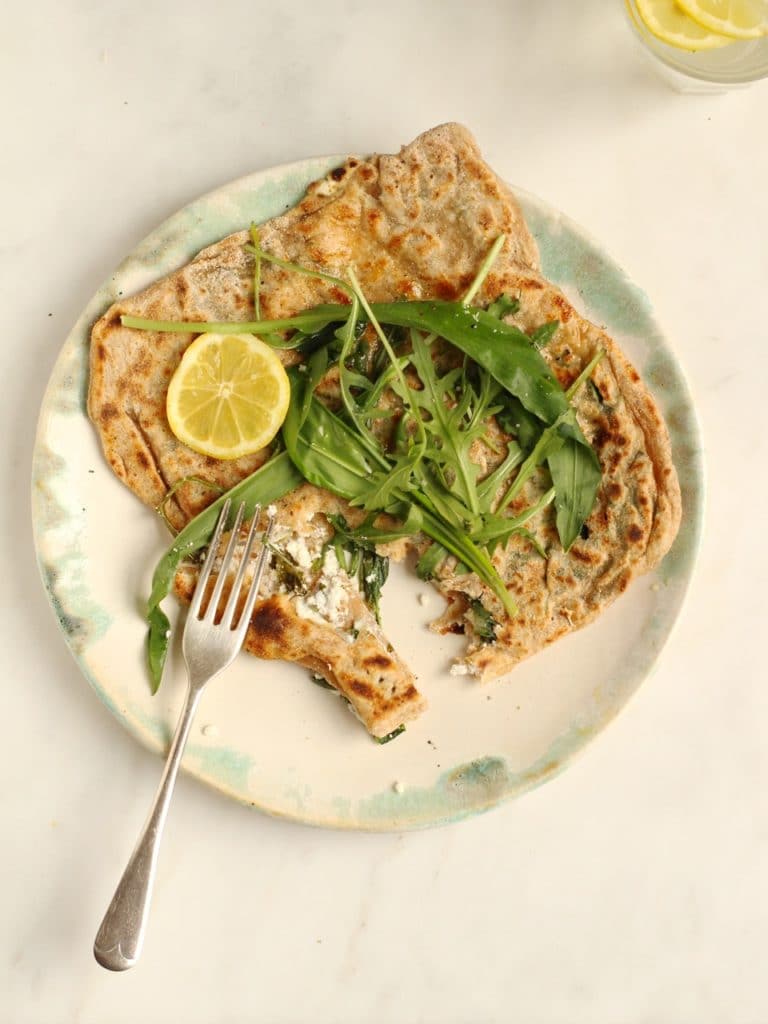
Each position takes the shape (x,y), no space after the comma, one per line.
(311,612)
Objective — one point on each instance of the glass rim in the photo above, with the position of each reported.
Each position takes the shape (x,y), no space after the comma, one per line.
(666,54)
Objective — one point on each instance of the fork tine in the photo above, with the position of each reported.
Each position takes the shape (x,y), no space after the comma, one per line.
(213,604)
(210,558)
(229,611)
(253,593)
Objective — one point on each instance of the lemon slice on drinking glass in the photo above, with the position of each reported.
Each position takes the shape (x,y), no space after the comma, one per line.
(740,19)
(228,396)
(672,25)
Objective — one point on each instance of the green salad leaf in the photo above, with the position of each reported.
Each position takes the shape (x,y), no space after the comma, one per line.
(330,454)
(273,480)
(482,622)
(501,349)
(575,471)
(390,735)
(420,384)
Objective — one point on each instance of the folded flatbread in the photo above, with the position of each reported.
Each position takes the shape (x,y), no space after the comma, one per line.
(414,225)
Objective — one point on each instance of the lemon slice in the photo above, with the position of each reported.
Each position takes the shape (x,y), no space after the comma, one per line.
(741,19)
(670,24)
(228,396)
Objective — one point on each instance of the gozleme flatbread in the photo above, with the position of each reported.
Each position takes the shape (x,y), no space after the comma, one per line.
(414,226)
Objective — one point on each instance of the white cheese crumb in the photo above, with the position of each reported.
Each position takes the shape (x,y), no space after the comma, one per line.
(211,731)
(371,577)
(336,601)
(305,610)
(329,604)
(331,565)
(460,669)
(302,367)
(299,552)
(271,510)
(398,787)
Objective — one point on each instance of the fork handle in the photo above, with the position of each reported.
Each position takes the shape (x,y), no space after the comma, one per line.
(121,935)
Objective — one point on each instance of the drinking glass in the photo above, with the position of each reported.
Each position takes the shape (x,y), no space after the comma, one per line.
(728,67)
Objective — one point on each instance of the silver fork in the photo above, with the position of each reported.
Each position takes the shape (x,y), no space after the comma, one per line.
(208,647)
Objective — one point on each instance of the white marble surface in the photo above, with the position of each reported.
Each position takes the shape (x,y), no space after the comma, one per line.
(631,889)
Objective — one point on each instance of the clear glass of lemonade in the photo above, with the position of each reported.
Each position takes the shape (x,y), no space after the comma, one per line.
(708,70)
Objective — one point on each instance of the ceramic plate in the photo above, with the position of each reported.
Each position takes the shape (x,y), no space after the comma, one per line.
(265,734)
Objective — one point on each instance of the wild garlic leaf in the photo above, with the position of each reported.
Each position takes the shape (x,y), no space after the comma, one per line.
(326,451)
(304,386)
(501,349)
(575,470)
(550,440)
(514,419)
